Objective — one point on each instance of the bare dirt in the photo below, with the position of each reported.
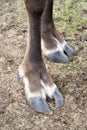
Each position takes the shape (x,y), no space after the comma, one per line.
(71,78)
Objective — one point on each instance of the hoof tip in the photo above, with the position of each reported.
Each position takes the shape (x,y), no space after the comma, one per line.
(58,57)
(58,98)
(39,104)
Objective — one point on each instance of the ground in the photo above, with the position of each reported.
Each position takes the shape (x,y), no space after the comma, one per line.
(71,78)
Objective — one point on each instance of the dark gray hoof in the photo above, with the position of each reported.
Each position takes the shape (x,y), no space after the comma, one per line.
(58,98)
(58,57)
(69,51)
(39,104)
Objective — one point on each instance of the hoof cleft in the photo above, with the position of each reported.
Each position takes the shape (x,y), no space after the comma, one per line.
(69,51)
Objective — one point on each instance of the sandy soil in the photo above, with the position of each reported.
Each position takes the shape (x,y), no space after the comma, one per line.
(71,78)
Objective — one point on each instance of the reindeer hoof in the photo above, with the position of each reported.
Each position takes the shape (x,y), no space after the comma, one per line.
(69,51)
(58,98)
(59,57)
(39,104)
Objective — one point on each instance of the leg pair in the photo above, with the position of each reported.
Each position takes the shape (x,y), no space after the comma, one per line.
(42,34)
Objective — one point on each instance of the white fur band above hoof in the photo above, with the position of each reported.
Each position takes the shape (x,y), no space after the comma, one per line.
(21,71)
(29,94)
(46,51)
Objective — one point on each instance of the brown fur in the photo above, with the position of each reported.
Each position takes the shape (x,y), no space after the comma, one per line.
(33,65)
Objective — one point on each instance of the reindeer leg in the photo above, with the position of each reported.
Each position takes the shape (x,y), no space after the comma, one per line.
(53,44)
(31,66)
